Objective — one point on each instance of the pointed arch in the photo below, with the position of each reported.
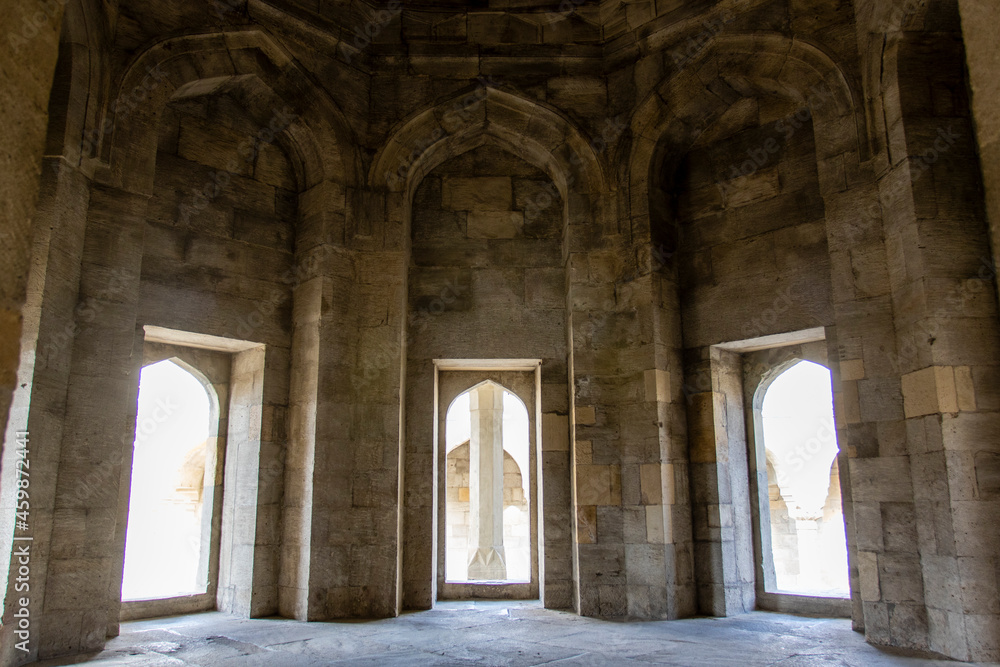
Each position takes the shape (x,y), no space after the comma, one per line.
(206,384)
(670,119)
(528,129)
(772,374)
(171,492)
(468,390)
(492,382)
(79,88)
(248,64)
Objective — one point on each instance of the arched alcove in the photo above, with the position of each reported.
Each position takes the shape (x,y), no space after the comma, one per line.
(727,175)
(486,280)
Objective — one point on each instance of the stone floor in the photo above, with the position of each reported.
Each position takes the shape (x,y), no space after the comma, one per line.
(495,633)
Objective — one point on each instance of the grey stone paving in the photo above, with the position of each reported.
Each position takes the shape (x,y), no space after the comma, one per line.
(496,633)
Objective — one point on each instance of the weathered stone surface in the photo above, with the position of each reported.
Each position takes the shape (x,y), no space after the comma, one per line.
(28,59)
(652,205)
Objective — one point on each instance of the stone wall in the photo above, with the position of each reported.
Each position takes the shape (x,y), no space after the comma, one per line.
(218,260)
(485,282)
(784,543)
(220,229)
(753,254)
(27,64)
(949,330)
(982,55)
(515,182)
(753,261)
(27,61)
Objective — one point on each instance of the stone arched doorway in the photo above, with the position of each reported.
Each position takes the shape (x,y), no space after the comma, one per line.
(487,482)
(474,488)
(793,411)
(169,535)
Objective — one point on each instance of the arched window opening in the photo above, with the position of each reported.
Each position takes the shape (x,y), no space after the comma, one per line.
(487,517)
(166,544)
(808,540)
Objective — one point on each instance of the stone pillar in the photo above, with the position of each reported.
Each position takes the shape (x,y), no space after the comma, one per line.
(46,358)
(486,556)
(721,526)
(982,55)
(341,521)
(27,62)
(28,55)
(911,402)
(81,603)
(633,528)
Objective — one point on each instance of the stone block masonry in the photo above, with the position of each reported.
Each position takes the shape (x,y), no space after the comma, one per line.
(644,201)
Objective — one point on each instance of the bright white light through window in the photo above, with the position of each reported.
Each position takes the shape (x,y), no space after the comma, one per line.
(516,515)
(163,548)
(808,539)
